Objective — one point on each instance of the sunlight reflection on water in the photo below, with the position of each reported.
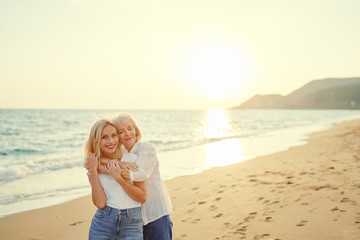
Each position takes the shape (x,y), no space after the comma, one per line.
(216,124)
(224,152)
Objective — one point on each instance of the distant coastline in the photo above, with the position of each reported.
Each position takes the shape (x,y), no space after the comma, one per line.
(329,93)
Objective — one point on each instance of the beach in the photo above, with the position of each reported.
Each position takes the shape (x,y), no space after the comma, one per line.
(310,191)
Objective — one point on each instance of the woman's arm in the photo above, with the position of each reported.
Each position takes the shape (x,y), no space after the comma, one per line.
(123,165)
(147,160)
(126,167)
(137,191)
(97,191)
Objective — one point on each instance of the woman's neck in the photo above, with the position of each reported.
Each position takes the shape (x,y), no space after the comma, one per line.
(129,147)
(111,156)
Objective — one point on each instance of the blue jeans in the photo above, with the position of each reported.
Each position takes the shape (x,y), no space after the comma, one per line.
(113,224)
(160,229)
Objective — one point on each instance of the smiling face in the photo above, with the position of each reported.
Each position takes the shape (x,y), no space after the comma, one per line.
(108,141)
(127,134)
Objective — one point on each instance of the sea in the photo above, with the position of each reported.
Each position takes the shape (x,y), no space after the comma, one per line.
(41,151)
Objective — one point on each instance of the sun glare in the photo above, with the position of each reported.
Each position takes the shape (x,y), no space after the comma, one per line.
(216,124)
(215,69)
(226,151)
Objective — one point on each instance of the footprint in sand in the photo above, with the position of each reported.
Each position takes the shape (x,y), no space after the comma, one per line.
(196,220)
(274,202)
(265,235)
(301,223)
(347,200)
(227,224)
(258,237)
(267,212)
(335,209)
(218,215)
(200,203)
(76,223)
(251,216)
(213,207)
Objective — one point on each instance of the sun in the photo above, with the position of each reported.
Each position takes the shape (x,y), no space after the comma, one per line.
(215,69)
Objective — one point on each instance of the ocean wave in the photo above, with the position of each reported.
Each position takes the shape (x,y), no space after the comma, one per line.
(10,133)
(19,151)
(9,199)
(164,146)
(68,122)
(13,172)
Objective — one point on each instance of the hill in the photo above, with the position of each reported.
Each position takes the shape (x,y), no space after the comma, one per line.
(330,93)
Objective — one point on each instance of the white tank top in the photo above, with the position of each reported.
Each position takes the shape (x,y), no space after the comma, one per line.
(116,197)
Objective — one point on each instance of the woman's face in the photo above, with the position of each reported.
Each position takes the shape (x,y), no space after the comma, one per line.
(127,134)
(109,141)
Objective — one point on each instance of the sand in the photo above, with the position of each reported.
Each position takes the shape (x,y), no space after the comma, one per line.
(306,192)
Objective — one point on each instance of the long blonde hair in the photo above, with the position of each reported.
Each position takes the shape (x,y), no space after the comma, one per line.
(92,144)
(123,116)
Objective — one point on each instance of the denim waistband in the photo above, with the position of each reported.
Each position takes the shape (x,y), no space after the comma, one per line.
(114,211)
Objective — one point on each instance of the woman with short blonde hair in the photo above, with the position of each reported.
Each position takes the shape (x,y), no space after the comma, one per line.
(156,210)
(123,116)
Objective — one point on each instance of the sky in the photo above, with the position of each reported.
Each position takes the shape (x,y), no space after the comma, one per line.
(166,54)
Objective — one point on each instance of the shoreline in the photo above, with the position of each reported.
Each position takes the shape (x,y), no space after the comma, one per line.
(183,162)
(305,192)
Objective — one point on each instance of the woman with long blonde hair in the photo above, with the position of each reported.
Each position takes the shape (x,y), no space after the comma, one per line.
(157,209)
(118,201)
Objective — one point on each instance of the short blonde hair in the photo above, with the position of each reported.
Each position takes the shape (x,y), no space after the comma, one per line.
(92,144)
(123,116)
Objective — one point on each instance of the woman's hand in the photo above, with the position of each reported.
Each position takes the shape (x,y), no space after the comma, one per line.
(113,168)
(92,161)
(125,175)
(129,166)
(123,165)
(102,169)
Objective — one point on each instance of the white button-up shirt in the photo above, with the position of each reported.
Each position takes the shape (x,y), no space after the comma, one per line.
(158,201)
